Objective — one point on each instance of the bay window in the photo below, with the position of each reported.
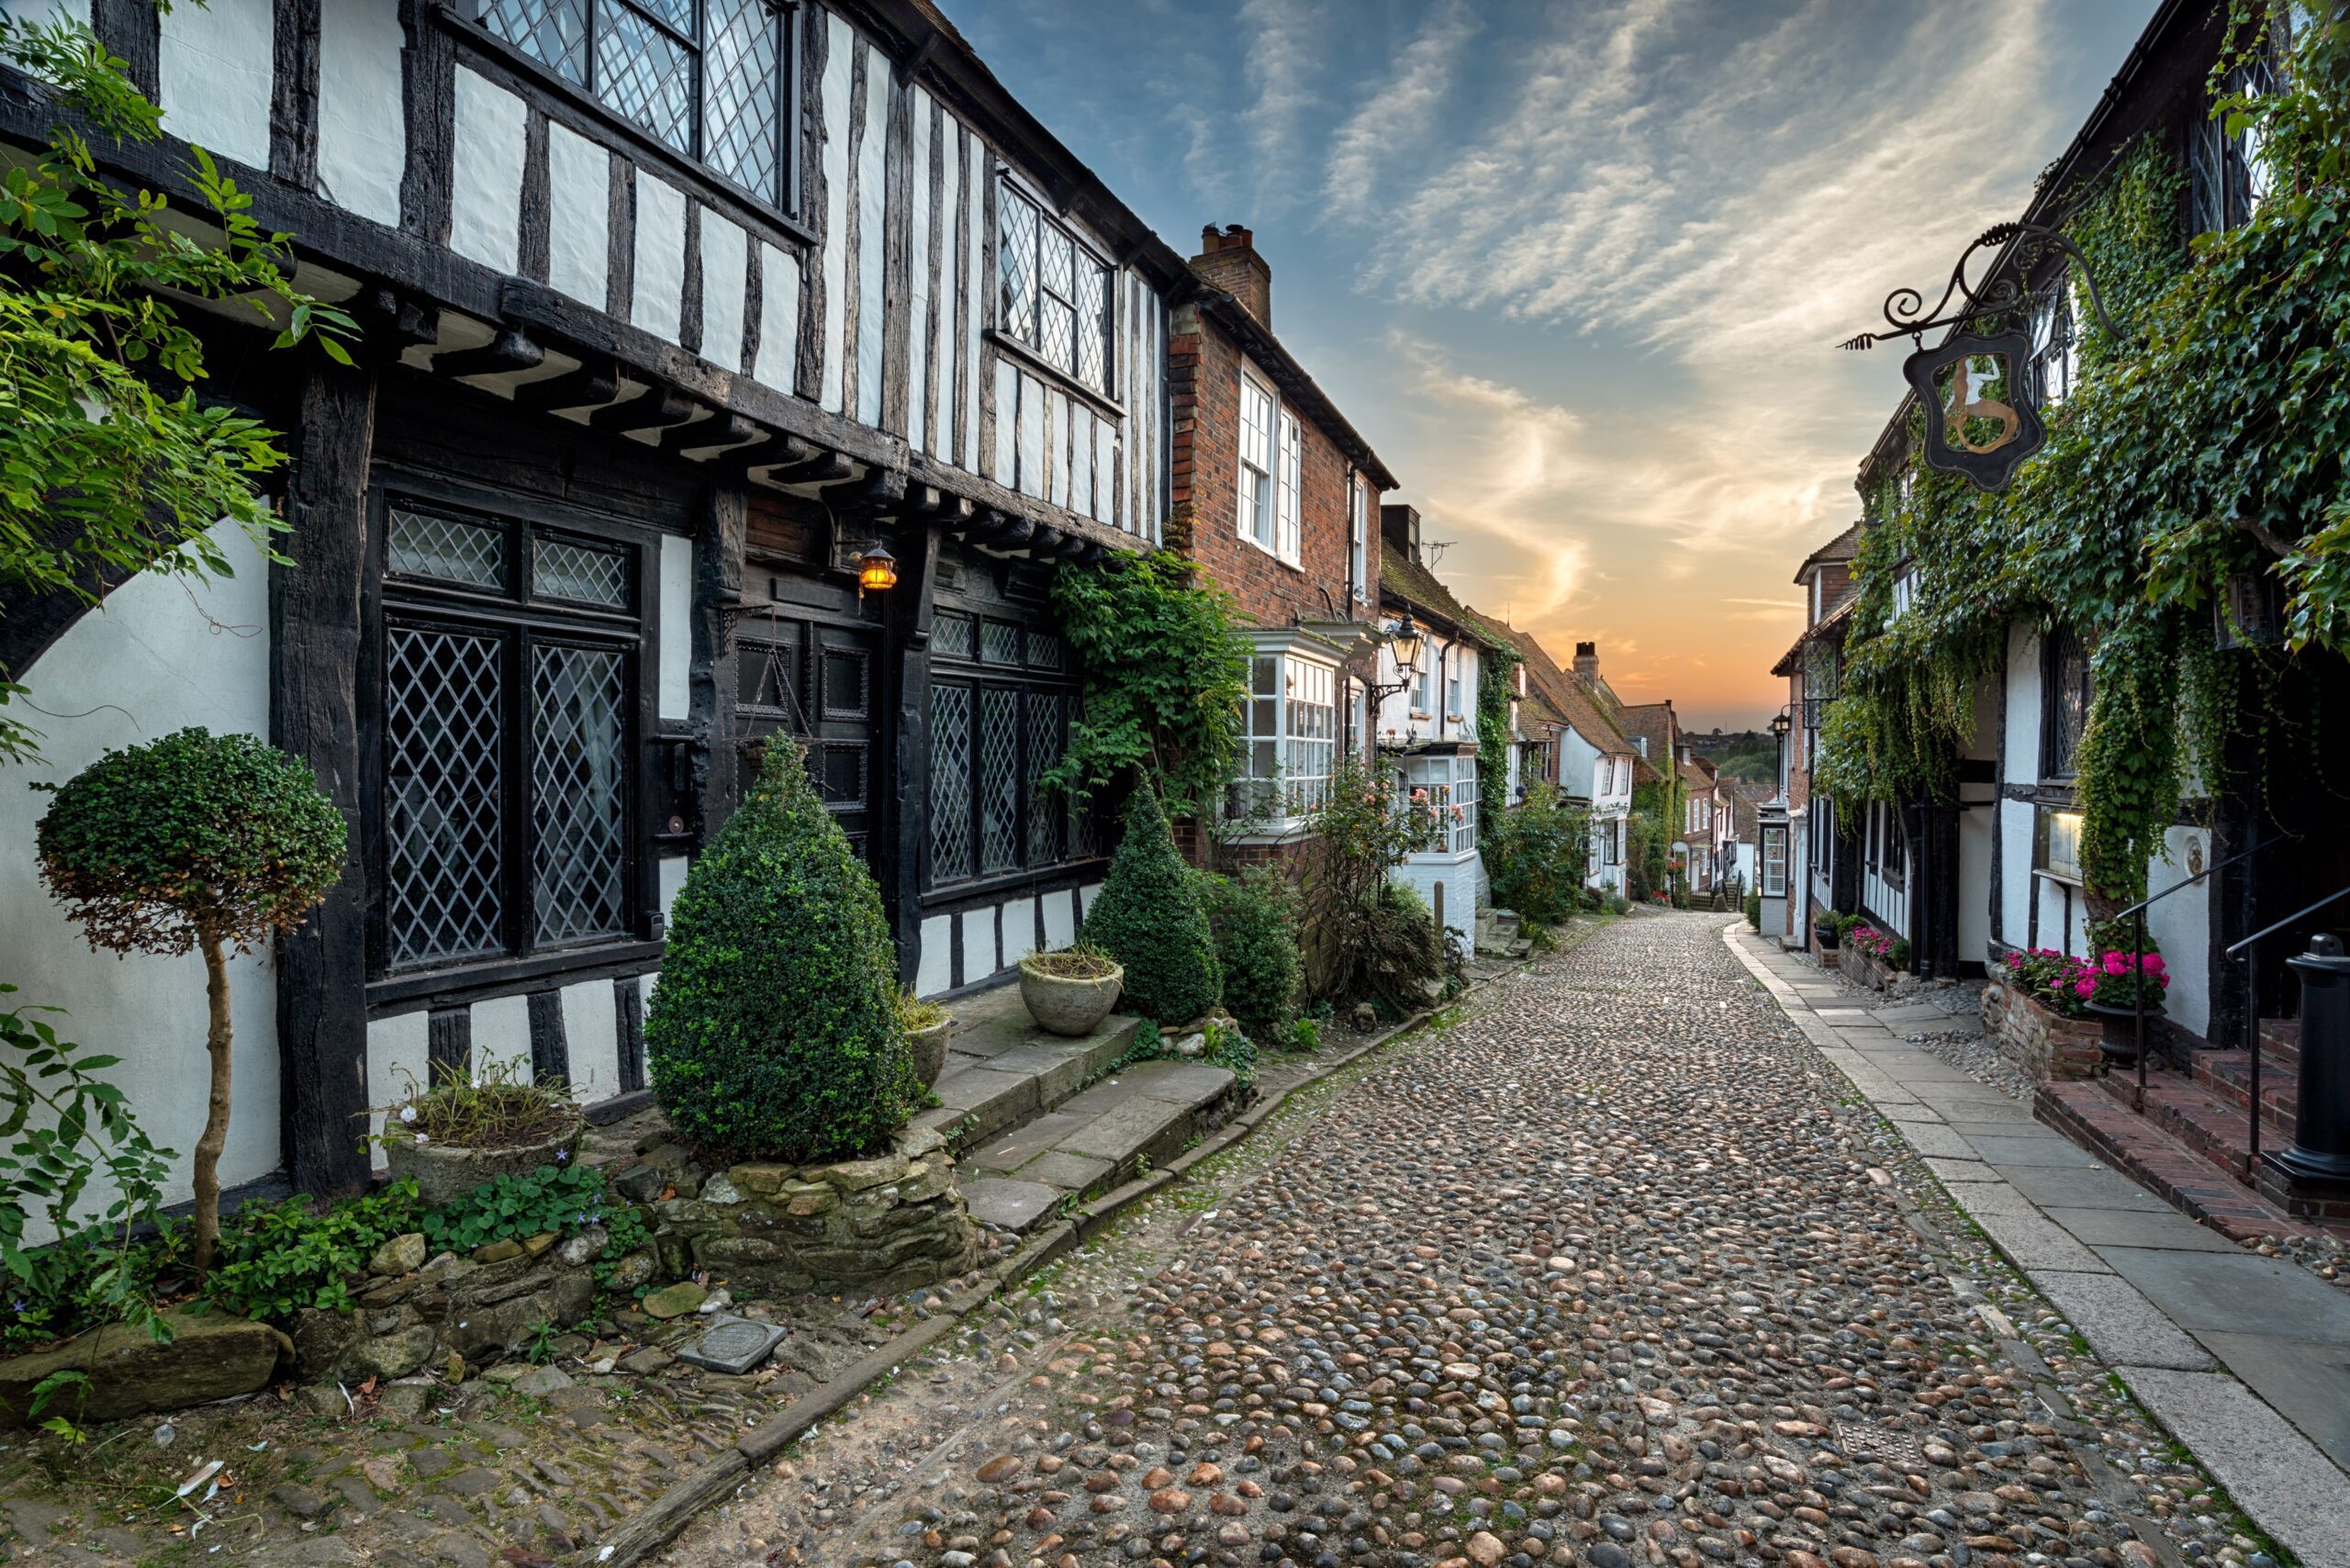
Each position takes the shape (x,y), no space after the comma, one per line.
(1440,791)
(508,708)
(1291,745)
(708,78)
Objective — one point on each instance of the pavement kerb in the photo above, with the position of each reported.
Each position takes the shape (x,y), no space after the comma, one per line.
(660,1521)
(2271,1470)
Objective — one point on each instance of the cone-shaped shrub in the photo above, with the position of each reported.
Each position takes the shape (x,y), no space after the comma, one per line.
(1148,916)
(774,1034)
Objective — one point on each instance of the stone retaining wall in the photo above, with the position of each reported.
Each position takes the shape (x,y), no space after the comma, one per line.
(2045,1044)
(885,1225)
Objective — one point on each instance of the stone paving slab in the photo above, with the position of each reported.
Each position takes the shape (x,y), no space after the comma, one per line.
(2169,1313)
(1008,1205)
(1123,1129)
(1026,1141)
(2266,1464)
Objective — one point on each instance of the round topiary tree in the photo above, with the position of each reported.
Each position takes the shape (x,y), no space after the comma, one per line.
(774,1033)
(195,841)
(1148,916)
(1254,916)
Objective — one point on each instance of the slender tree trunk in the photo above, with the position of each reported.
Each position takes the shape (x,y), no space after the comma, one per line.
(215,1120)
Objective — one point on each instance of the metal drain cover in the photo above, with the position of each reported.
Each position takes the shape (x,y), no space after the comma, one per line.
(1881,1445)
(733,1345)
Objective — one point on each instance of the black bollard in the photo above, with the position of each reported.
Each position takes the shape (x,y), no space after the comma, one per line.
(2320,1149)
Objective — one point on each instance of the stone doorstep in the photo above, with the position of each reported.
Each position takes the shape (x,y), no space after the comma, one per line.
(1091,1142)
(1001,1070)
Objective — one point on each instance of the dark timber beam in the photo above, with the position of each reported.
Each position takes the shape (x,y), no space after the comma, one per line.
(776,451)
(907,669)
(504,354)
(590,387)
(314,714)
(653,410)
(831,465)
(718,429)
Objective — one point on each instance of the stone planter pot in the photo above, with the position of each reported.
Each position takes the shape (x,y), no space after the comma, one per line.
(929,1047)
(2121,1025)
(1824,932)
(445,1173)
(1068,1006)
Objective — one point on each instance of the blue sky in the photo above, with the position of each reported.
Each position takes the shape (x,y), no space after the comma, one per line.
(1575,270)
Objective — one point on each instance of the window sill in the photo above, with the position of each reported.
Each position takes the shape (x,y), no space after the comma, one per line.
(466,982)
(591,116)
(1264,549)
(1061,379)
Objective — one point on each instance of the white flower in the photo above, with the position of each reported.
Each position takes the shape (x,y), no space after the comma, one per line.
(421,1138)
(407,1113)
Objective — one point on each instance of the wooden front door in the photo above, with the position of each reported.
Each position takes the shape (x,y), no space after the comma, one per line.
(816,681)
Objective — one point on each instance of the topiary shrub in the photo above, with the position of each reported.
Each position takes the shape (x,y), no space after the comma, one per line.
(1254,916)
(1148,916)
(195,841)
(774,1034)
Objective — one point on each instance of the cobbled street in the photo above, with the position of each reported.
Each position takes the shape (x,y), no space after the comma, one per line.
(1608,1266)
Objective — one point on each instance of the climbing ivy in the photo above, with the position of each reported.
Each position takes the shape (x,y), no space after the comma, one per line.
(2210,441)
(1496,662)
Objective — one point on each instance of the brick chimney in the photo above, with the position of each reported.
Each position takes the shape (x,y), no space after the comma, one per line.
(1587,663)
(1228,261)
(1399,530)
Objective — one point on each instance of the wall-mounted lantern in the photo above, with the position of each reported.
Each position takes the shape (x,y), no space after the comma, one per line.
(1403,641)
(877,569)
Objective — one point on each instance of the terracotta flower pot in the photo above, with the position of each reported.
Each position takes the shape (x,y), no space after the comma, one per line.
(1067,1004)
(447,1172)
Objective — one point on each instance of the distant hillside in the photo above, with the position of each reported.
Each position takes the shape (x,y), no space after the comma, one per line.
(1750,754)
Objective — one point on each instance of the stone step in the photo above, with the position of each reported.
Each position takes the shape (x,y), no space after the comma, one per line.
(1141,1117)
(1001,1070)
(2280,1038)
(2195,1115)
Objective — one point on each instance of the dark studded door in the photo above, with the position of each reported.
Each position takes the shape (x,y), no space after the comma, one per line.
(815,681)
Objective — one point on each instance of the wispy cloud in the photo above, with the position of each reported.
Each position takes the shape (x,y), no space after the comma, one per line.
(1399,112)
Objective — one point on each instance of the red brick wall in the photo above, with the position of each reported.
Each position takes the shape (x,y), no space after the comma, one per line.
(1203,369)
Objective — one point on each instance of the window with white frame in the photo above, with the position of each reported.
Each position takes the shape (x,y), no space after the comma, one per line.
(1257,462)
(1423,683)
(1291,746)
(1616,842)
(1905,591)
(1441,792)
(1775,862)
(1288,535)
(1452,681)
(1359,538)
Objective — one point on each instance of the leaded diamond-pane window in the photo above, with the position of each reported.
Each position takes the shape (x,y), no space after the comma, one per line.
(999,779)
(509,781)
(443,793)
(950,782)
(705,77)
(999,642)
(560,569)
(1044,650)
(1048,812)
(579,777)
(1056,291)
(950,635)
(449,549)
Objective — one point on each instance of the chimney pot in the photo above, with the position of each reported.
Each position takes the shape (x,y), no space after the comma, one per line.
(1587,662)
(1228,261)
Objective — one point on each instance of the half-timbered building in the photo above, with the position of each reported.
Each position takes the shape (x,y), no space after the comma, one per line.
(673,310)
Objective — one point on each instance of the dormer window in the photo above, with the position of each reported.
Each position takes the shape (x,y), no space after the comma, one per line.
(704,77)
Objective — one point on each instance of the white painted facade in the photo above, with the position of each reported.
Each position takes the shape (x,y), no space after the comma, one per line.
(1419,733)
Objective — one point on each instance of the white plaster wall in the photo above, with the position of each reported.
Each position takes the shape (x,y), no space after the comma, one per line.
(660,256)
(1974,830)
(872,200)
(1007,419)
(2180,926)
(1018,932)
(485,193)
(2023,706)
(1056,445)
(950,217)
(591,1035)
(677,626)
(934,970)
(724,263)
(580,214)
(162,653)
(1085,896)
(1061,919)
(398,1058)
(501,1031)
(672,880)
(1458,875)
(362,143)
(2015,872)
(1030,429)
(919,276)
(833,96)
(779,319)
(40,13)
(978,943)
(215,68)
(977,260)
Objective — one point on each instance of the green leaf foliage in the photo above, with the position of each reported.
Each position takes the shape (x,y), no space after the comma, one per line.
(1367,937)
(1166,672)
(109,462)
(774,1034)
(1254,916)
(1148,916)
(1536,855)
(275,1259)
(193,837)
(2208,442)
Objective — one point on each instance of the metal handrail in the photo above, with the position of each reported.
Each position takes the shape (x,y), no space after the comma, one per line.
(2137,915)
(2252,1016)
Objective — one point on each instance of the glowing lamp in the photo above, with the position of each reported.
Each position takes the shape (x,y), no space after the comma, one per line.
(876,569)
(1404,642)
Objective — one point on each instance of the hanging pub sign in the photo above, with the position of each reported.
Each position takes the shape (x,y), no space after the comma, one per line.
(1978,389)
